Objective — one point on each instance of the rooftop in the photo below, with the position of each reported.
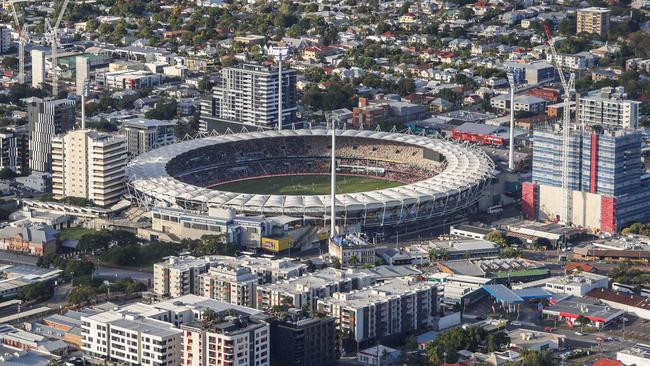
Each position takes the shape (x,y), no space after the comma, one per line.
(378,293)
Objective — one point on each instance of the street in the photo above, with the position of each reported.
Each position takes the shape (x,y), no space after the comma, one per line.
(106,273)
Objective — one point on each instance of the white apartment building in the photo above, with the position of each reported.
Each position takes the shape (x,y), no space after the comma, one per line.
(234,285)
(178,276)
(131,80)
(38,68)
(267,270)
(143,135)
(306,290)
(89,164)
(46,119)
(526,103)
(395,307)
(578,61)
(229,340)
(608,107)
(131,339)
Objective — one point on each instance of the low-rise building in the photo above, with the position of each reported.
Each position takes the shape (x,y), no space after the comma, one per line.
(630,303)
(578,284)
(568,309)
(525,103)
(639,355)
(535,340)
(352,249)
(396,307)
(29,239)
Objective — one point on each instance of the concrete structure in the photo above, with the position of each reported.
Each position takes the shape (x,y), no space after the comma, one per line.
(9,151)
(90,165)
(143,135)
(458,248)
(579,284)
(639,355)
(605,179)
(351,250)
(255,90)
(131,80)
(297,340)
(535,340)
(178,276)
(592,20)
(82,73)
(525,103)
(308,289)
(469,231)
(395,307)
(608,107)
(47,118)
(568,309)
(230,284)
(38,68)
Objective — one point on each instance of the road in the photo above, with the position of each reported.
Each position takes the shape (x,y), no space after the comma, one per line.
(106,273)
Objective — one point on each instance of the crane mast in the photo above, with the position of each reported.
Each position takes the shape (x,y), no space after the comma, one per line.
(22,40)
(566,210)
(54,42)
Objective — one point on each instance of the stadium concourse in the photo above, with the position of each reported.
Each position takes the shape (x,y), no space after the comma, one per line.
(440,179)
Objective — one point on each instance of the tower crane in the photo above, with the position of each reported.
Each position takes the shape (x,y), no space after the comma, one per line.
(22,40)
(568,86)
(54,42)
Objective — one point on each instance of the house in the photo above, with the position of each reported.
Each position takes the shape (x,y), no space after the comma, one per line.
(316,53)
(440,105)
(28,239)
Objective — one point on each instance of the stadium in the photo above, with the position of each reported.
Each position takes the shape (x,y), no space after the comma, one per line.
(395,179)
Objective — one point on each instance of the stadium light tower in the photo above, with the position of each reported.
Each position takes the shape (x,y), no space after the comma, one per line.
(280,52)
(333,184)
(511,153)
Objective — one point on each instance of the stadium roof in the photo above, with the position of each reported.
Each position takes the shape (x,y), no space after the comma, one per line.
(467,167)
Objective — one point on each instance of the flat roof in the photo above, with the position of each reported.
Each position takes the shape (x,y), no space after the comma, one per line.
(503,294)
(593,309)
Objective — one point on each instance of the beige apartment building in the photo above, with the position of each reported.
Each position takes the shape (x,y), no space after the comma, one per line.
(178,276)
(89,164)
(592,20)
(231,284)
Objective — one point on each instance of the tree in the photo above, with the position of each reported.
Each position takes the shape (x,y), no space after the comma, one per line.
(78,267)
(467,254)
(510,252)
(54,362)
(433,254)
(6,173)
(536,358)
(81,295)
(583,320)
(336,263)
(353,261)
(497,237)
(10,63)
(36,292)
(310,266)
(164,110)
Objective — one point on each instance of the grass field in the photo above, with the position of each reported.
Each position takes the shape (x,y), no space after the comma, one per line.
(74,233)
(306,185)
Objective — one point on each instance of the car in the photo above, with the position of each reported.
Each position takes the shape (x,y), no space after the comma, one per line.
(480,317)
(579,333)
(609,339)
(549,329)
(516,323)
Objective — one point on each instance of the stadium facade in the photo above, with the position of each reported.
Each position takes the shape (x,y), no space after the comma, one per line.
(441,179)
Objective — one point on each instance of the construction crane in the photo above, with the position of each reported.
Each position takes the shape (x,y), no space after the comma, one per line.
(22,41)
(54,42)
(568,86)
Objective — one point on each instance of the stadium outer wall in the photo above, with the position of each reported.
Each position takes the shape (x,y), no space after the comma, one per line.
(441,199)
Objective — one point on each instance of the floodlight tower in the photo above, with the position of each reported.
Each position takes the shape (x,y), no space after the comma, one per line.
(333,183)
(511,152)
(280,52)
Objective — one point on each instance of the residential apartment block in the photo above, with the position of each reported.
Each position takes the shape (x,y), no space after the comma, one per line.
(248,94)
(608,107)
(306,290)
(178,276)
(352,249)
(231,284)
(47,118)
(592,20)
(131,339)
(230,339)
(525,103)
(89,164)
(395,307)
(143,135)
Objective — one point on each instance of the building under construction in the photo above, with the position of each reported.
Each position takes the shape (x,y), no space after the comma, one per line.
(607,192)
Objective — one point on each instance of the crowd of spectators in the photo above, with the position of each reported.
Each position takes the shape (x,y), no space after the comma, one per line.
(227,162)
